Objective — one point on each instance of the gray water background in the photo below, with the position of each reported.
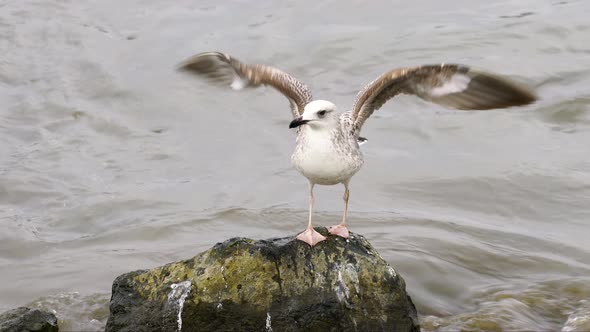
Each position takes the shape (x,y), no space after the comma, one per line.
(111,161)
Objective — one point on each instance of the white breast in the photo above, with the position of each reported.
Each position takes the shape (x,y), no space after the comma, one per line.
(323,159)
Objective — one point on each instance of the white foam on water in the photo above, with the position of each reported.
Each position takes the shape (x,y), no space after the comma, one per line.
(578,321)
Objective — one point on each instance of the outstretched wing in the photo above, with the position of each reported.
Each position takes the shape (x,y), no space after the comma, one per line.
(222,68)
(450,85)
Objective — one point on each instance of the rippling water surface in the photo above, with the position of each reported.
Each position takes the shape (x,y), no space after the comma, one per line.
(111,161)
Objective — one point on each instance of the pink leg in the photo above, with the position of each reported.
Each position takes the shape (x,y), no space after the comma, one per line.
(310,235)
(341,229)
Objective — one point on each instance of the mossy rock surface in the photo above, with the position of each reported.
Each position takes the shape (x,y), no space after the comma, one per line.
(25,319)
(267,285)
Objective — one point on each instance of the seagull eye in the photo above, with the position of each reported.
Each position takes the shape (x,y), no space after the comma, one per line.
(322,113)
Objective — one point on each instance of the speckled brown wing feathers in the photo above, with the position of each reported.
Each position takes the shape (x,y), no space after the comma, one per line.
(454,86)
(222,68)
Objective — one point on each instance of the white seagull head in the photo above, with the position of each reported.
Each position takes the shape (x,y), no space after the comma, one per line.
(318,114)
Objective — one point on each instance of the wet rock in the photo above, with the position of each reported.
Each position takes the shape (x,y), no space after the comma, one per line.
(27,320)
(268,285)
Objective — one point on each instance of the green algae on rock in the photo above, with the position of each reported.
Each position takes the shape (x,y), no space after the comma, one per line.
(277,284)
(25,319)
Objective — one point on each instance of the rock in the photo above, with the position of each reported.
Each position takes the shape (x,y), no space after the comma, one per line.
(25,319)
(268,285)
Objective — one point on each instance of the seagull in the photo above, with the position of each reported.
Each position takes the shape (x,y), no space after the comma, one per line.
(327,148)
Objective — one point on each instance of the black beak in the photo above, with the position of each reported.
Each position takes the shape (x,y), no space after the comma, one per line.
(297,122)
